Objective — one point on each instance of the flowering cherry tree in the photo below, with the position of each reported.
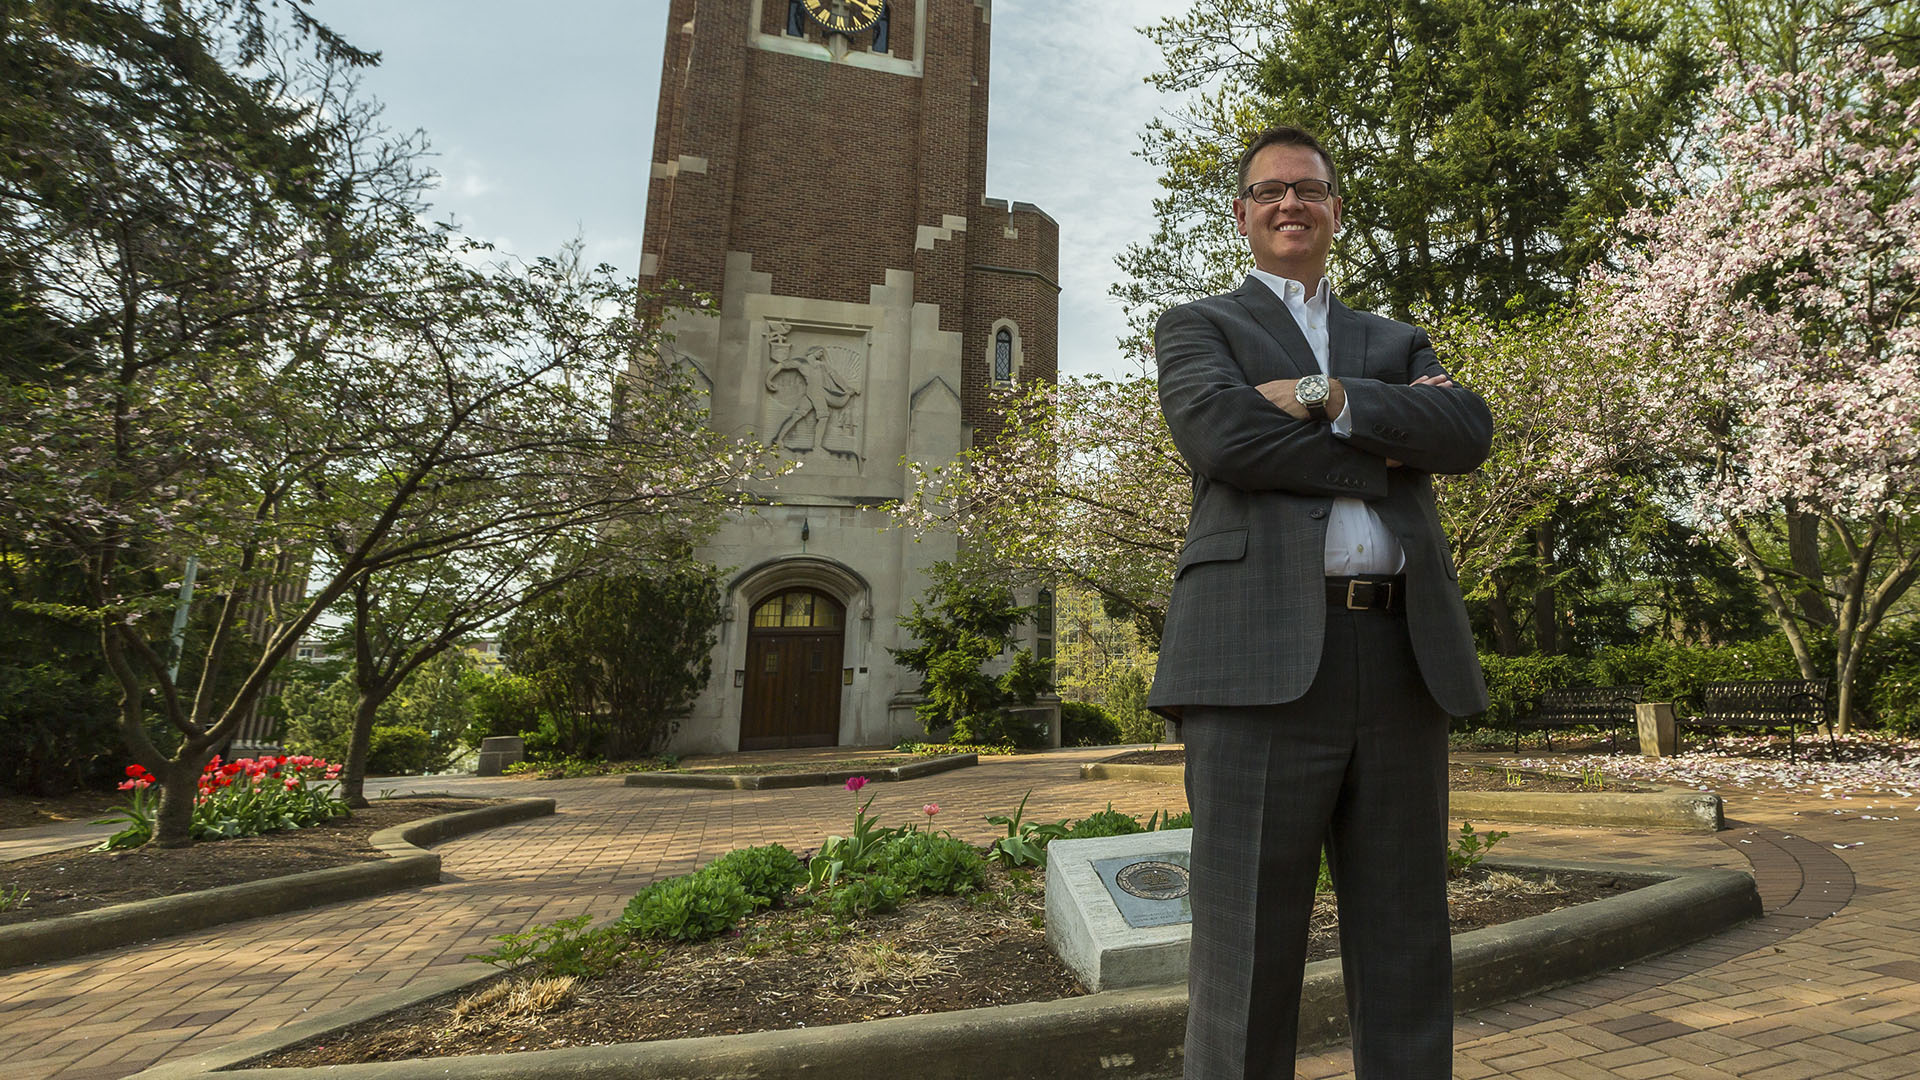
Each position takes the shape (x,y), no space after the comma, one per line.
(1765,330)
(1552,438)
(1082,486)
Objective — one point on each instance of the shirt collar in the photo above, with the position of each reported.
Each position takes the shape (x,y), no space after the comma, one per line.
(1290,291)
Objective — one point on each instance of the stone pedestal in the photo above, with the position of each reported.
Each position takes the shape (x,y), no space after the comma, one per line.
(1117,908)
(497,752)
(1655,721)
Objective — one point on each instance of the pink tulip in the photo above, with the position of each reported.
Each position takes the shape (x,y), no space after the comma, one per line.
(855,783)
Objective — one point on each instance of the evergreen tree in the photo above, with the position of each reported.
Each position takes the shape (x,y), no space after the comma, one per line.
(963,626)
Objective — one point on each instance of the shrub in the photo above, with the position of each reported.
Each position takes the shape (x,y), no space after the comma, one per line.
(58,725)
(1083,724)
(1108,822)
(859,897)
(1514,681)
(398,751)
(924,862)
(767,873)
(567,947)
(613,662)
(691,907)
(1891,680)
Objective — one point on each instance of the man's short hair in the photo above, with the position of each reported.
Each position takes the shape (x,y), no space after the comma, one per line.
(1283,135)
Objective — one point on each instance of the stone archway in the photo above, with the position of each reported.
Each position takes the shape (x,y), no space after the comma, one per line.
(795,641)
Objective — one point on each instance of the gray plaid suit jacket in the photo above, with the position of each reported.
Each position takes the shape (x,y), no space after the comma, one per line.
(1248,611)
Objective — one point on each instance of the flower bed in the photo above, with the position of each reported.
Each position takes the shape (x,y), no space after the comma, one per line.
(244,797)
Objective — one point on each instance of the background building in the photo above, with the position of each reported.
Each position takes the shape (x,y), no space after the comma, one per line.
(828,190)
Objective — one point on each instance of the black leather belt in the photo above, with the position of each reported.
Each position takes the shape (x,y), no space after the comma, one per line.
(1368,593)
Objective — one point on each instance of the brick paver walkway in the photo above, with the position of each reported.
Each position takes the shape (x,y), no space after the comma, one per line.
(1824,986)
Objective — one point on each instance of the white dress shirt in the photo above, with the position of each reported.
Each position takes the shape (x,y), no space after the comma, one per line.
(1357,541)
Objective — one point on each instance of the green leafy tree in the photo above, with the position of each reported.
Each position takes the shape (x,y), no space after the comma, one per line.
(618,659)
(962,626)
(504,703)
(1483,146)
(57,713)
(434,699)
(317,718)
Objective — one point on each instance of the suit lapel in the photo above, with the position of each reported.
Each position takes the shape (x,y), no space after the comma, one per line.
(1346,341)
(1273,317)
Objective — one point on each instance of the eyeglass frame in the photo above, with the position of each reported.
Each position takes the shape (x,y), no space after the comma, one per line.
(1285,187)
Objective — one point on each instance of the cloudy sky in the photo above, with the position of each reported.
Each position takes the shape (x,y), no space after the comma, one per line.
(541,119)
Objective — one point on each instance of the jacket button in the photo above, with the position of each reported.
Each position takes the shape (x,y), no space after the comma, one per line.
(1317,513)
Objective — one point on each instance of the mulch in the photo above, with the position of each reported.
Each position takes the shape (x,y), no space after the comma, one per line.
(79,879)
(789,968)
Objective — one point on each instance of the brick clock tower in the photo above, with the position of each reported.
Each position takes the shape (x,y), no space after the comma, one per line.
(819,169)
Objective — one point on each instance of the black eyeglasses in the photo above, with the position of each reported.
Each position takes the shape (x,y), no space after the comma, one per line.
(1272,191)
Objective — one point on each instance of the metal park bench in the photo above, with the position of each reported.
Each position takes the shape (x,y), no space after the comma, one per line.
(1767,704)
(1609,707)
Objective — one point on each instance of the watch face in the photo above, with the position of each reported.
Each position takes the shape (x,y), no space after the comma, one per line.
(1312,390)
(844,16)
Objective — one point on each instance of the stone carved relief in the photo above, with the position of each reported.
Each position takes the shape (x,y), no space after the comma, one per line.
(815,382)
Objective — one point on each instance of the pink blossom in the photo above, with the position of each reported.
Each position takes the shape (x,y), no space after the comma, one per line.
(855,783)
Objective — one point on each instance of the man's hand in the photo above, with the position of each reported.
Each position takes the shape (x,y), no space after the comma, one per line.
(1279,392)
(1424,380)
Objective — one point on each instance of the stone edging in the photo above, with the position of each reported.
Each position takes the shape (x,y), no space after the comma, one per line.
(1663,808)
(1122,1034)
(405,866)
(766,781)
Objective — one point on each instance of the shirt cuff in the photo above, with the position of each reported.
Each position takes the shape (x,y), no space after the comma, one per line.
(1343,424)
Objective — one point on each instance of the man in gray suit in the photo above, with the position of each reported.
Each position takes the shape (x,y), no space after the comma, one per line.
(1316,640)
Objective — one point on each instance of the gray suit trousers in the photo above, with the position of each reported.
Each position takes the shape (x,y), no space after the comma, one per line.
(1357,764)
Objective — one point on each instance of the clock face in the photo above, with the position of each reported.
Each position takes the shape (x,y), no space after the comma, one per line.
(844,16)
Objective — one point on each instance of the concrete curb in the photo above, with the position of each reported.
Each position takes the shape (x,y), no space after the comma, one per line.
(1679,809)
(1121,1034)
(405,866)
(768,781)
(1663,808)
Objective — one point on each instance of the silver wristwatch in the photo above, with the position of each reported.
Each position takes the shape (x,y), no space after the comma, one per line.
(1313,391)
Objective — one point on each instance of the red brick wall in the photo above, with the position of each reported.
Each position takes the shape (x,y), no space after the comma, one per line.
(825,172)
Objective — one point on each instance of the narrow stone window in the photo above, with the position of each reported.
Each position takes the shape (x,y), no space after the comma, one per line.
(1043,619)
(796,19)
(1003,356)
(880,28)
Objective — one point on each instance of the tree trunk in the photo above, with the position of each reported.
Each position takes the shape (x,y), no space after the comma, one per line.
(1803,546)
(353,778)
(1843,709)
(179,787)
(1546,624)
(1506,635)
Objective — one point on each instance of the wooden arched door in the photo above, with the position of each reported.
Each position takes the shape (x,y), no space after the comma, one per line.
(794,644)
